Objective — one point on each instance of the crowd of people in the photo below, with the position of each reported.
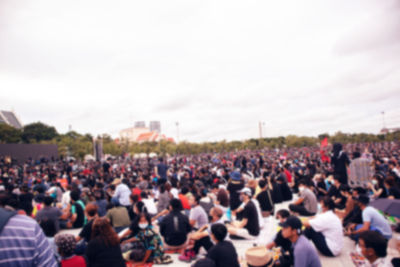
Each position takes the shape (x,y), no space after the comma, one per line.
(138,211)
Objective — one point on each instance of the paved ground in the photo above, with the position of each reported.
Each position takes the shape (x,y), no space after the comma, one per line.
(266,234)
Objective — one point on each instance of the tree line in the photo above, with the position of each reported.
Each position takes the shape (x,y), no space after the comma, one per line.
(78,145)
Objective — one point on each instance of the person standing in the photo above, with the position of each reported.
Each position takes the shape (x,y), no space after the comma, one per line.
(340,162)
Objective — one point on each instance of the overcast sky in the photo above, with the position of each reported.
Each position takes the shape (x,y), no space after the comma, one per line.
(217,67)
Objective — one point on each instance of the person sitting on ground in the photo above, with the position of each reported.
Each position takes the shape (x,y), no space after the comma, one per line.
(118,216)
(121,193)
(100,202)
(206,201)
(355,215)
(372,220)
(393,190)
(307,204)
(248,227)
(201,237)
(325,229)
(285,189)
(103,249)
(279,240)
(265,199)
(49,213)
(74,213)
(149,203)
(374,248)
(335,195)
(223,253)
(304,253)
(49,229)
(163,199)
(142,231)
(175,226)
(66,244)
(197,217)
(86,233)
(345,192)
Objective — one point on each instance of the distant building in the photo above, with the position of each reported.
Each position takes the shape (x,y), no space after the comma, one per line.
(140,134)
(140,124)
(9,118)
(132,134)
(389,130)
(155,126)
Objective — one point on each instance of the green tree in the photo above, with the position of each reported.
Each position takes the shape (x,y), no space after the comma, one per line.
(9,134)
(36,132)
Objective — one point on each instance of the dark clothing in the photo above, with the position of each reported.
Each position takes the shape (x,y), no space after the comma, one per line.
(202,242)
(233,188)
(319,241)
(86,232)
(224,254)
(276,193)
(300,209)
(286,192)
(162,170)
(80,219)
(25,203)
(102,207)
(282,242)
(100,255)
(335,192)
(175,228)
(355,216)
(265,200)
(321,185)
(394,192)
(340,164)
(50,213)
(250,213)
(106,167)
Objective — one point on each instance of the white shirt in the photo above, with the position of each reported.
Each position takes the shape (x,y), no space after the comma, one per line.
(66,198)
(174,192)
(331,227)
(123,194)
(150,205)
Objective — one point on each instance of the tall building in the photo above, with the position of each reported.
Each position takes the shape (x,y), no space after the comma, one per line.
(9,118)
(155,126)
(140,124)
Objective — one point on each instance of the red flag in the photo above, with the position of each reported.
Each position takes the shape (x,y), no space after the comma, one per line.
(324,142)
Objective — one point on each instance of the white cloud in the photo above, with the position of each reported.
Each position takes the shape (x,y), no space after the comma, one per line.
(217,67)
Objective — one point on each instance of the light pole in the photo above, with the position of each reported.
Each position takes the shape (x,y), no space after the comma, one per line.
(383,120)
(177,131)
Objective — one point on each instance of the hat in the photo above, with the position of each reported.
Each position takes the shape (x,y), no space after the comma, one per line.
(236,176)
(116,181)
(246,191)
(293,222)
(259,256)
(66,243)
(364,199)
